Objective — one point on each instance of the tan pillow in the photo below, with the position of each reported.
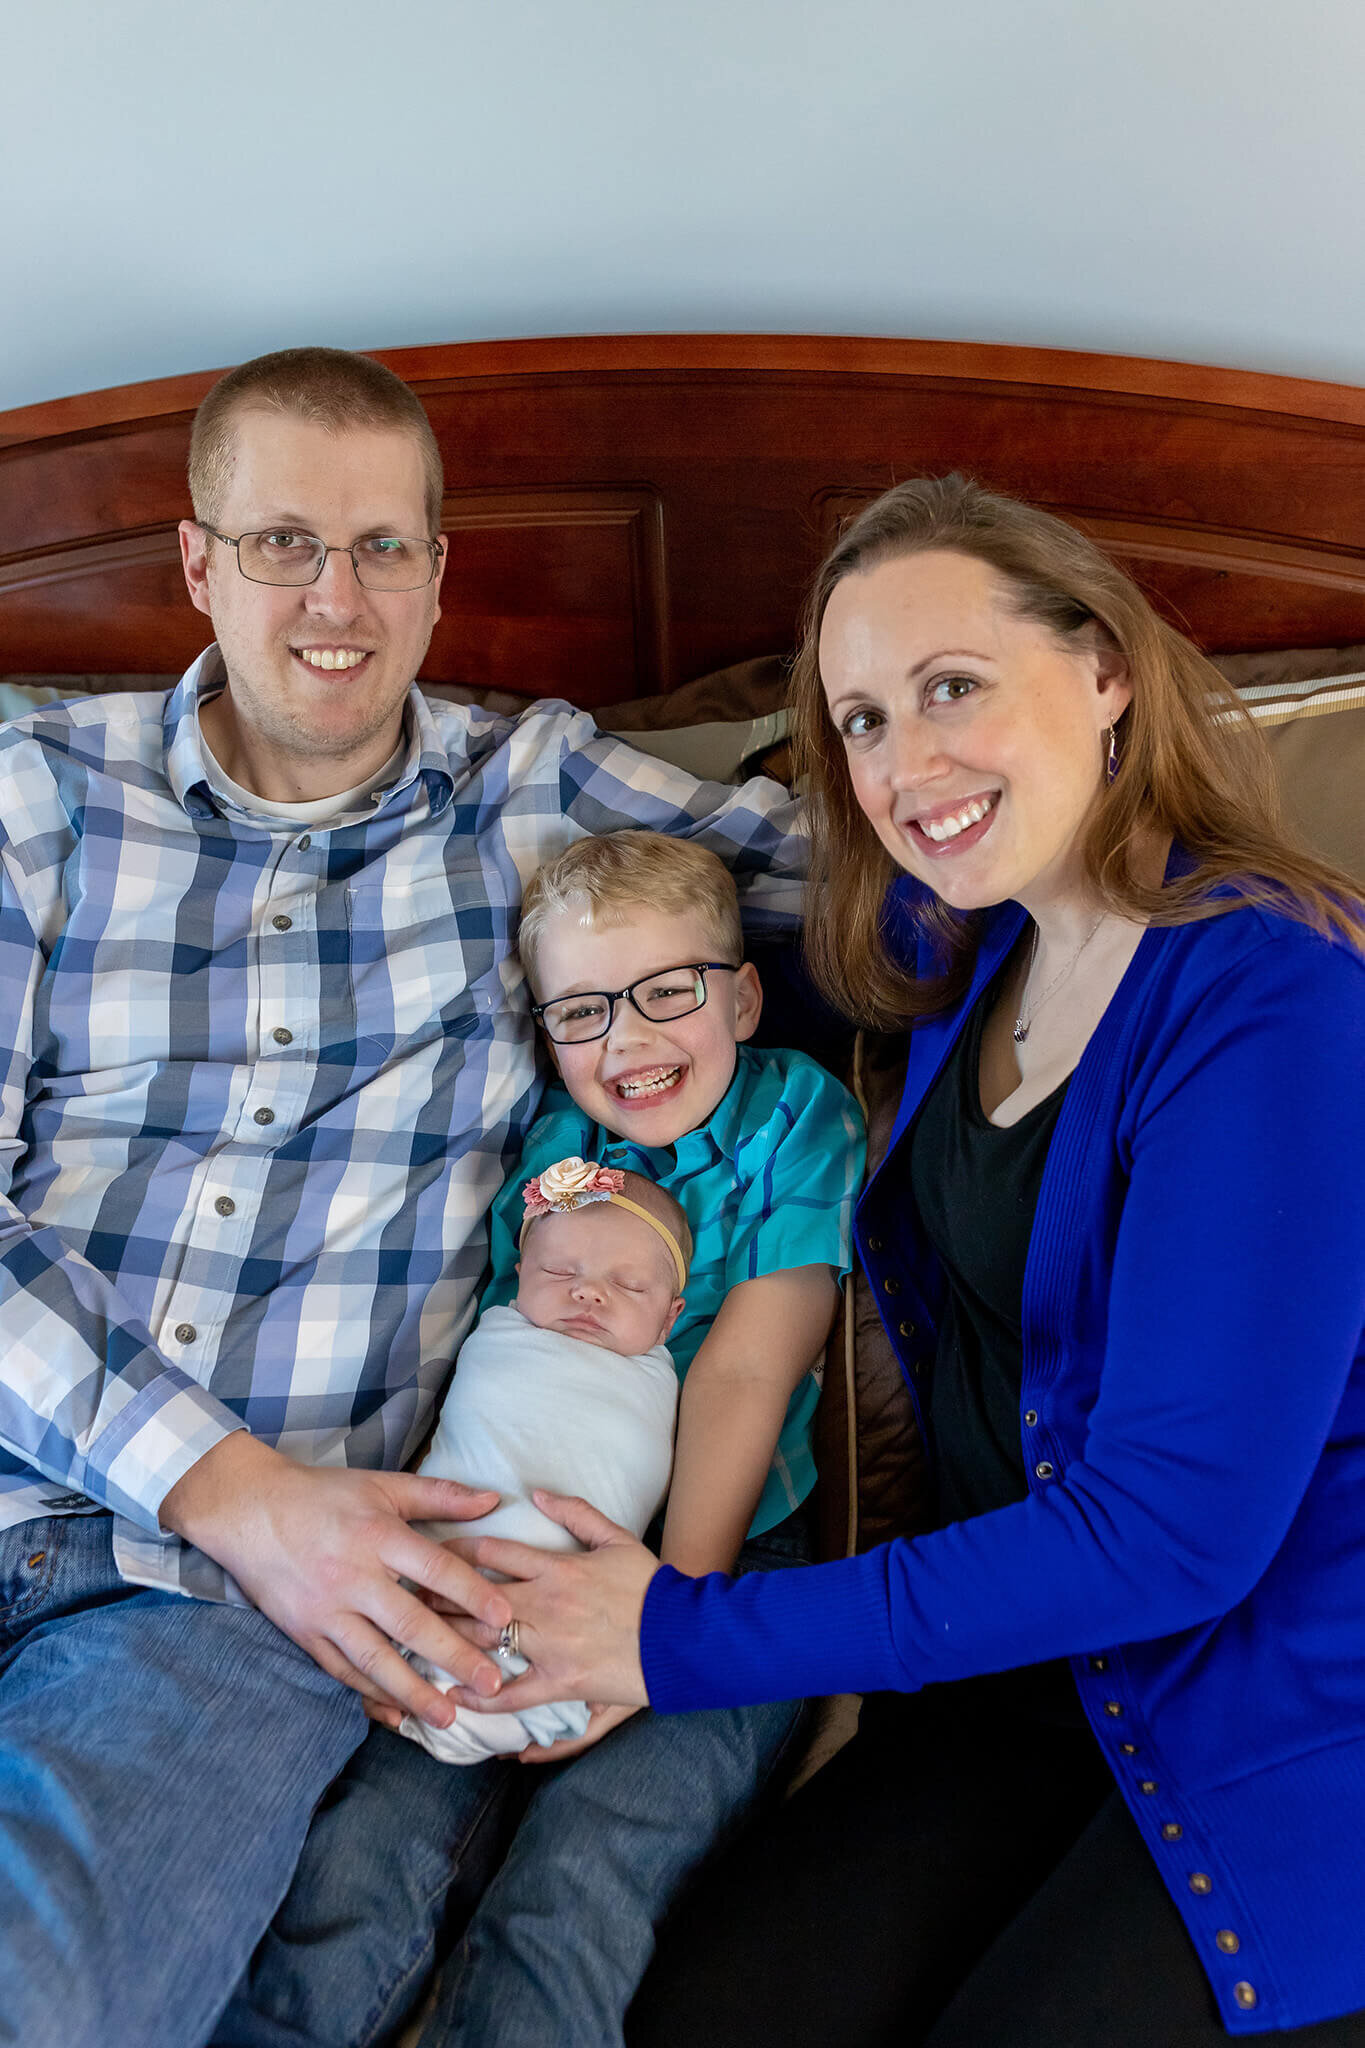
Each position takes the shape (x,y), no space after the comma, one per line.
(1316,732)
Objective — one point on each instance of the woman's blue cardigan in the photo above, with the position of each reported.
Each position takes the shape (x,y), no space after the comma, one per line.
(1193,1422)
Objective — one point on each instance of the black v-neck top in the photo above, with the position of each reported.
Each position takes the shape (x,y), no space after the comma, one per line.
(976,1186)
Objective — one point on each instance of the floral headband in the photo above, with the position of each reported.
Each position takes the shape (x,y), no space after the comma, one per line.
(576,1183)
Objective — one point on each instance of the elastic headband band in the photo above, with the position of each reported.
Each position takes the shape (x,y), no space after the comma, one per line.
(600,1184)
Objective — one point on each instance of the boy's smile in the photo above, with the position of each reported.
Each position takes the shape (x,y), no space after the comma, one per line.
(646,1081)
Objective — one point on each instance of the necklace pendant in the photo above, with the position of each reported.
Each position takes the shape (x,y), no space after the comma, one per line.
(1020,1031)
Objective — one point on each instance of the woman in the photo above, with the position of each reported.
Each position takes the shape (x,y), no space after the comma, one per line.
(1110,1786)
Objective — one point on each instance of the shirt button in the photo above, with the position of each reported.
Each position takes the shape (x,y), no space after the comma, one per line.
(282,923)
(1227,1941)
(304,843)
(891,1285)
(265,1116)
(281,1036)
(1245,1994)
(225,1205)
(1043,1469)
(185,1333)
(1031,1417)
(1149,1786)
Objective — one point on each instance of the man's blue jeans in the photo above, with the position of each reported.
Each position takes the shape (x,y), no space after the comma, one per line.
(551,1934)
(160,1759)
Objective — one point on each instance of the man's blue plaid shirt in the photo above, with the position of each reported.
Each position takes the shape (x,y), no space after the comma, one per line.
(261,1084)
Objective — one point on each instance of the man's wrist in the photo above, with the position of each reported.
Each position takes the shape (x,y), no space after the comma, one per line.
(233,1468)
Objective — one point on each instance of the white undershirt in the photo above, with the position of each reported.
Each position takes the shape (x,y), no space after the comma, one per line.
(319,811)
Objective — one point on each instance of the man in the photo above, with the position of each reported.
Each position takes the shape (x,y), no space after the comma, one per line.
(266,1056)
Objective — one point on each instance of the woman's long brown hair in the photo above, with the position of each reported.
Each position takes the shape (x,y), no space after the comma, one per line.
(1191,765)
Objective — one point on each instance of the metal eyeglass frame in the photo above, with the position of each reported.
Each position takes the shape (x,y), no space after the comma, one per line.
(432,546)
(613,996)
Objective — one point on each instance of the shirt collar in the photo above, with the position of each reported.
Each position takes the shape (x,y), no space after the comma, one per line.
(187,771)
(718,1138)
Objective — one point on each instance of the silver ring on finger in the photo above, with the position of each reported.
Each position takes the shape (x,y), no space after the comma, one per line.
(508,1641)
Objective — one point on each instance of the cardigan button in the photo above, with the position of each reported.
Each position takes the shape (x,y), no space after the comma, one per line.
(1149,1786)
(1113,1707)
(1245,1994)
(1031,1418)
(1201,1882)
(876,1244)
(891,1285)
(1171,1831)
(908,1329)
(1128,1748)
(1227,1941)
(1044,1469)
(1098,1663)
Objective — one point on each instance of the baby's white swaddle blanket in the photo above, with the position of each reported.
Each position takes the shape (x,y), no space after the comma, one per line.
(529,1408)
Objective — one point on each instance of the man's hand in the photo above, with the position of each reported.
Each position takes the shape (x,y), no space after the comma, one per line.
(322,1552)
(579,1615)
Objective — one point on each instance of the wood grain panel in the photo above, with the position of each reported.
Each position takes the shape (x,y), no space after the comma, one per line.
(629,512)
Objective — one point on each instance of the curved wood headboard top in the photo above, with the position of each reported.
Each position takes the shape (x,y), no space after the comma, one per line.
(629,512)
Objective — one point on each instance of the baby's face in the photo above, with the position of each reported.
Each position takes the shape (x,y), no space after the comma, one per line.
(601,1274)
(646,1081)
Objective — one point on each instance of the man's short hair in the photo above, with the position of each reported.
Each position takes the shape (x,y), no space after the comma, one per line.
(332,388)
(600,881)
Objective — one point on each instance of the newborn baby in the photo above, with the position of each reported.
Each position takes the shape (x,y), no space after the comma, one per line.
(569,1388)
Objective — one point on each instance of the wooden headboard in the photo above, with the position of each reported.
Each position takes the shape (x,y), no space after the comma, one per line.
(628,513)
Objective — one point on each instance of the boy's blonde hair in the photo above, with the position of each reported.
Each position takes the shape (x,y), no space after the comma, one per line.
(600,880)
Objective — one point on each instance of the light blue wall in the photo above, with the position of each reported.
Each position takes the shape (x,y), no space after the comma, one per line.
(187,184)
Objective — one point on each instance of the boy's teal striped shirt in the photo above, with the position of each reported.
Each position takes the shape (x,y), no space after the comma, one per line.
(768,1183)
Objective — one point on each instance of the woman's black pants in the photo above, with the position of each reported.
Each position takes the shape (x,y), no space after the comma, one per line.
(957,1877)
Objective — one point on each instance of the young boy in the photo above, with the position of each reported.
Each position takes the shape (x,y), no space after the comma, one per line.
(632,947)
(570,1387)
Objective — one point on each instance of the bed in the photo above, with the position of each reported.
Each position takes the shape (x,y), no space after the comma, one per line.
(633,521)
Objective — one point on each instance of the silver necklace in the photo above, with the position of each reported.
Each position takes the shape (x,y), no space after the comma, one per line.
(1023,1023)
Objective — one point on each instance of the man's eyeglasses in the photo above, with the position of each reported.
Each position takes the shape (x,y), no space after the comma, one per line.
(382,561)
(673,992)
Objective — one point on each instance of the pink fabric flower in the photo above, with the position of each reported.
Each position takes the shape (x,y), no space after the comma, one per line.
(569,1184)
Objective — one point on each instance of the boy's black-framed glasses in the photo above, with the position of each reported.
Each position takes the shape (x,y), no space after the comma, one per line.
(660,998)
(290,558)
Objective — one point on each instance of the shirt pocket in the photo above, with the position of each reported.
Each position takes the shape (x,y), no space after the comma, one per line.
(422,952)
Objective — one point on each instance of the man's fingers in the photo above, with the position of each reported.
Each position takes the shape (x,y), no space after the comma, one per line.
(438,1500)
(373,1655)
(436,1570)
(411,1623)
(378,1703)
(530,1690)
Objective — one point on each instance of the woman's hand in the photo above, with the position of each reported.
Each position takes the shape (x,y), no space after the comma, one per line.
(578,1616)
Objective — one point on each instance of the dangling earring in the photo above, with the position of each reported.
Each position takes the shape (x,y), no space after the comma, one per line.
(1112,765)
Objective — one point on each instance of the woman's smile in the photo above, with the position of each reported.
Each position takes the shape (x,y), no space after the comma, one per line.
(973,736)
